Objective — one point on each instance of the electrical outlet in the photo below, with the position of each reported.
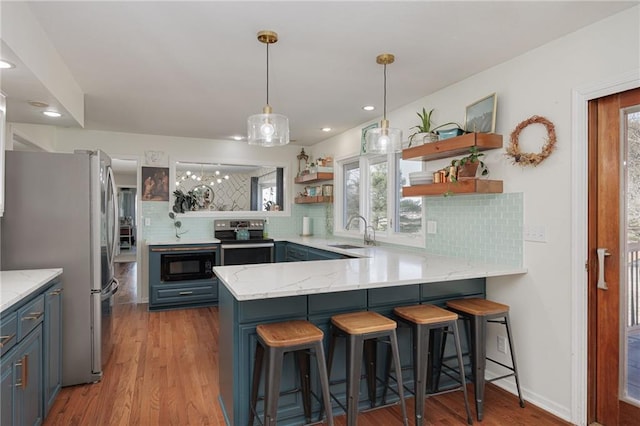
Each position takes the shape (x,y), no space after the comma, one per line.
(502,344)
(147,221)
(431,227)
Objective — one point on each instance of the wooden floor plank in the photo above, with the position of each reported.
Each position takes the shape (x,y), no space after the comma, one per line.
(164,371)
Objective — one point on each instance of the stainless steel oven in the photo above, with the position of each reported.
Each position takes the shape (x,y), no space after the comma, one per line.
(242,242)
(192,264)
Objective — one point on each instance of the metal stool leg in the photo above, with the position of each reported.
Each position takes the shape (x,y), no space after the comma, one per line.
(272,385)
(324,382)
(370,367)
(354,354)
(478,336)
(255,381)
(421,351)
(396,359)
(513,358)
(463,382)
(302,358)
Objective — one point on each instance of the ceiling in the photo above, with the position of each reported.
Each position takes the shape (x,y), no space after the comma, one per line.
(196,69)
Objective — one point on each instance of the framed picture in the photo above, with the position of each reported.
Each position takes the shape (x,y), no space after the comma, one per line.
(155,184)
(480,116)
(363,141)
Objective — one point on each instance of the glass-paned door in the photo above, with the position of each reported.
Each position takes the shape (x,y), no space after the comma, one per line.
(630,358)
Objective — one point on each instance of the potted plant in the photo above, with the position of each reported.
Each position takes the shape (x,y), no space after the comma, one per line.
(467,167)
(430,134)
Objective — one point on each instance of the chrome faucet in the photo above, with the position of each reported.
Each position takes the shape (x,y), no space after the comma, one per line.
(367,238)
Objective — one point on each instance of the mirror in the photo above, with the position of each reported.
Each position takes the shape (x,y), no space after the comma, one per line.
(206,187)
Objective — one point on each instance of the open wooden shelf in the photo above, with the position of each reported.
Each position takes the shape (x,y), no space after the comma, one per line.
(452,147)
(463,186)
(314,177)
(314,199)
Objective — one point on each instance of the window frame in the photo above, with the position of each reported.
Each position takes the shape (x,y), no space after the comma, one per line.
(390,235)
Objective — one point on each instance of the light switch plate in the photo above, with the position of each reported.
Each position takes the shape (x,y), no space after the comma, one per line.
(147,221)
(535,233)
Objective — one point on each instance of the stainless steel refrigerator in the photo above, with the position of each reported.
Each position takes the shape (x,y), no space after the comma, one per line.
(61,211)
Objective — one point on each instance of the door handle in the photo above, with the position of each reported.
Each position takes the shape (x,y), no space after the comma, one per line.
(602,253)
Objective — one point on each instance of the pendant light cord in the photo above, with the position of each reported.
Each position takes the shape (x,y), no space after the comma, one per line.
(267,73)
(384,110)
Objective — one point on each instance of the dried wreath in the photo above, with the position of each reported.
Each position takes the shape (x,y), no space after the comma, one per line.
(528,158)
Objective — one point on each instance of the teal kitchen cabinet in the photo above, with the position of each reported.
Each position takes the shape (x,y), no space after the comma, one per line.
(52,344)
(296,253)
(188,290)
(31,362)
(22,383)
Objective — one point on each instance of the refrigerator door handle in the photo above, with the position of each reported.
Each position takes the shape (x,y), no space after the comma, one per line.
(116,227)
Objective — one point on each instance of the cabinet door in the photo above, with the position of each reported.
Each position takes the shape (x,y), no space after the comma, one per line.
(28,371)
(7,411)
(52,345)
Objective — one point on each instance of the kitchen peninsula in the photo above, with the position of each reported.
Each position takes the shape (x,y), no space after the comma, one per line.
(375,278)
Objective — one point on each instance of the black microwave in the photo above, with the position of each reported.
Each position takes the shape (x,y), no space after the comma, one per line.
(187,266)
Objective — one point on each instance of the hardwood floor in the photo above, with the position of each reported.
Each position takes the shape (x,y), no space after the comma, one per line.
(164,371)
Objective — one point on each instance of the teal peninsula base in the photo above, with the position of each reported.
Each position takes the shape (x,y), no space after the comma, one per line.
(237,338)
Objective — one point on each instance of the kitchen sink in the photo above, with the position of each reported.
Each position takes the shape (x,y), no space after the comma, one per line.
(345,246)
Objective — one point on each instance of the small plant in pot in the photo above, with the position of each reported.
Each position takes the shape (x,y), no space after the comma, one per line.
(467,167)
(425,127)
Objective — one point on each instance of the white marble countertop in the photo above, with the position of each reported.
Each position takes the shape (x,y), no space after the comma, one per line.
(16,285)
(377,267)
(178,241)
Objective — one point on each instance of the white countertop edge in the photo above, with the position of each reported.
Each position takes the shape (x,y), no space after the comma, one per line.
(18,284)
(252,282)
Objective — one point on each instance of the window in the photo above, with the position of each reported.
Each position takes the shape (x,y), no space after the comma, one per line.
(351,193)
(372,187)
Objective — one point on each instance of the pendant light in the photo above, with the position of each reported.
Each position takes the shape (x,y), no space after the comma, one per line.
(268,129)
(383,139)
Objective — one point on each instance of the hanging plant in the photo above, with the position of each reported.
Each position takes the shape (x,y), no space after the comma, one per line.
(531,158)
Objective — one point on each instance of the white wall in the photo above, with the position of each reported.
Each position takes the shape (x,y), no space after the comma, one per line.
(537,83)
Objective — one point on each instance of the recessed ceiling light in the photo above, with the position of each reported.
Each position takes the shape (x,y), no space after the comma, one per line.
(52,114)
(6,64)
(238,138)
(38,104)
(326,129)
(368,107)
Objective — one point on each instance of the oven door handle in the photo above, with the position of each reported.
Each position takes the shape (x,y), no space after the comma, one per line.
(238,246)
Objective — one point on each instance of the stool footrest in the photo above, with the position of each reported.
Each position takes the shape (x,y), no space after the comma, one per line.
(501,364)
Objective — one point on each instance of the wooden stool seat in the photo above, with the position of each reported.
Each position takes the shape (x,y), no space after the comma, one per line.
(364,322)
(289,333)
(478,307)
(425,314)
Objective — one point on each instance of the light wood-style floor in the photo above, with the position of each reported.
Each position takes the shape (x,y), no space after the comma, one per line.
(164,371)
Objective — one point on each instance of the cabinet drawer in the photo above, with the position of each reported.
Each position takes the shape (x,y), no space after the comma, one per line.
(29,316)
(181,294)
(8,331)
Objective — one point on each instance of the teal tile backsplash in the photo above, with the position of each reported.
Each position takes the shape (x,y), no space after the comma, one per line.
(479,227)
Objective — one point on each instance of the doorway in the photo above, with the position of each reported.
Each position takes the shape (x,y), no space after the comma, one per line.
(614,244)
(126,261)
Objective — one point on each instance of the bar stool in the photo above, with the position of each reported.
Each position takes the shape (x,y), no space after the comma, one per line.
(279,338)
(359,327)
(479,312)
(423,319)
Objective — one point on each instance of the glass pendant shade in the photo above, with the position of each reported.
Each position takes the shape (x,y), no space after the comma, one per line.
(268,129)
(383,140)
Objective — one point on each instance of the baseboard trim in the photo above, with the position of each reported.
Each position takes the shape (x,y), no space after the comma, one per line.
(536,399)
